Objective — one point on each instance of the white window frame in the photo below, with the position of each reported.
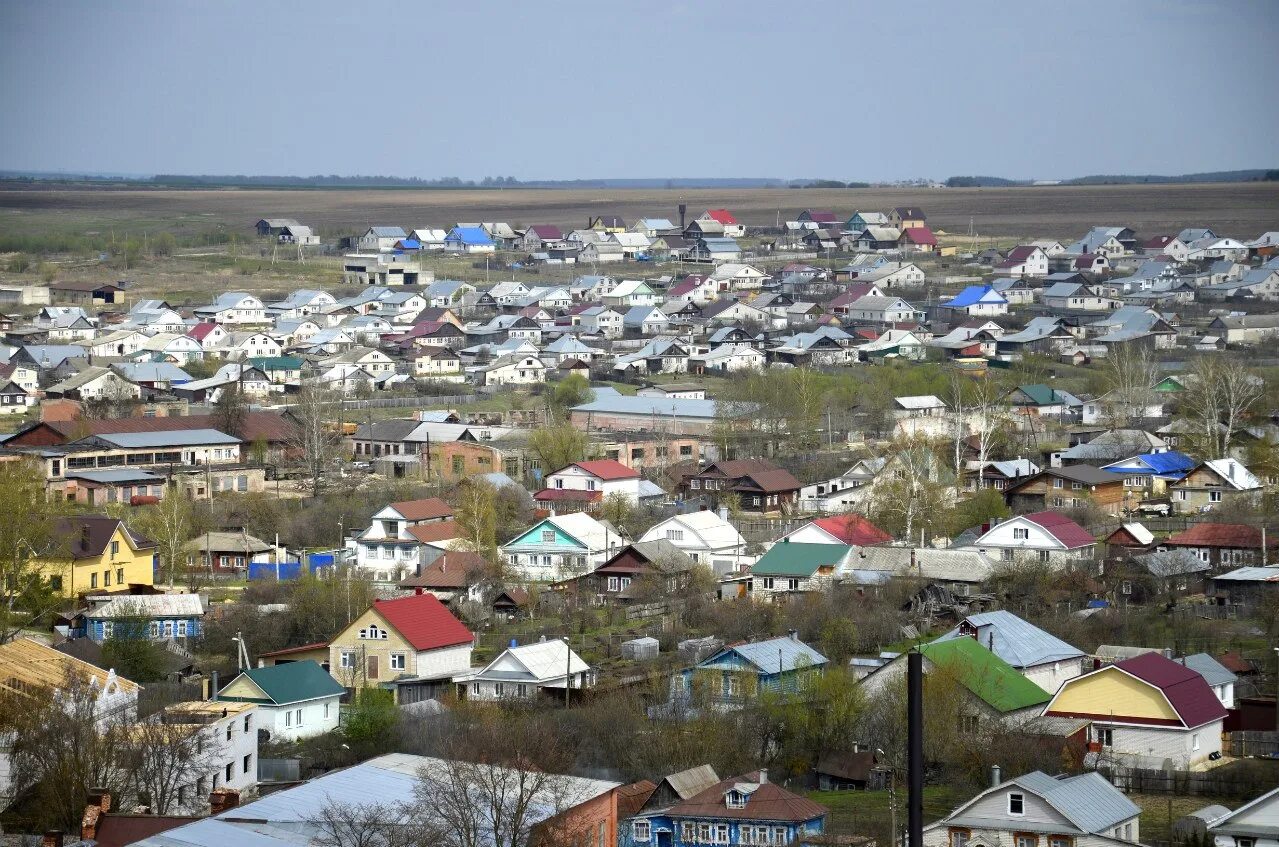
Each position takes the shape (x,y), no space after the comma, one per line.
(642,831)
(1018,798)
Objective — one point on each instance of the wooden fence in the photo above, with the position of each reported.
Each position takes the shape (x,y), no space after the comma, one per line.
(1239,783)
(1244,744)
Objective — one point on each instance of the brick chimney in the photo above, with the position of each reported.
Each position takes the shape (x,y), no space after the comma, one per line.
(222,799)
(99,797)
(52,838)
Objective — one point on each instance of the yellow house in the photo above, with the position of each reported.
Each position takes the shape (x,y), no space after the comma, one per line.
(97,553)
(411,645)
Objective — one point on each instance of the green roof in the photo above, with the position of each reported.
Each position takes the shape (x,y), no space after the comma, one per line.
(986,675)
(293,682)
(1040,394)
(789,558)
(276,363)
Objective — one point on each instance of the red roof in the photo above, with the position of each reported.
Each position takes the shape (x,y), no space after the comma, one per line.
(199,331)
(568,495)
(1062,528)
(304,648)
(853,529)
(607,469)
(920,235)
(1085,261)
(1018,254)
(768,802)
(1235,663)
(723,216)
(546,232)
(1157,243)
(1189,695)
(424,622)
(429,533)
(430,508)
(1234,535)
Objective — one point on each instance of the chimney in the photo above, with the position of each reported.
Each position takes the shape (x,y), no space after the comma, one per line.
(683,209)
(419,591)
(763,776)
(1167,652)
(99,797)
(996,776)
(213,685)
(793,634)
(52,838)
(222,799)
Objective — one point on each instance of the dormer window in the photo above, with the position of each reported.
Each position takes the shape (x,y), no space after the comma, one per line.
(736,800)
(1016,803)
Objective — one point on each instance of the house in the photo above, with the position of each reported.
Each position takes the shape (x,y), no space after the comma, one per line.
(228,552)
(412,645)
(978,300)
(381,239)
(905,217)
(849,529)
(469,239)
(878,239)
(512,370)
(789,568)
(392,542)
(1253,824)
(760,485)
(735,276)
(1076,297)
(1046,536)
(14,399)
(1025,260)
(1043,401)
(1146,711)
(293,816)
(1214,482)
(541,237)
(672,415)
(1149,474)
(384,269)
(746,809)
(233,307)
(228,738)
(727,358)
(593,480)
(561,546)
(715,250)
(151,616)
(882,311)
(92,552)
(294,700)
(1222,545)
(1037,655)
(1104,241)
(646,320)
(739,672)
(1220,678)
(917,239)
(995,695)
(1068,488)
(1035,809)
(87,291)
(895,343)
(653,227)
(95,383)
(542,669)
(704,536)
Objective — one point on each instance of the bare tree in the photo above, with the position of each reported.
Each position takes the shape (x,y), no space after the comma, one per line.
(170,524)
(371,825)
(316,441)
(1130,375)
(1219,397)
(910,494)
(165,761)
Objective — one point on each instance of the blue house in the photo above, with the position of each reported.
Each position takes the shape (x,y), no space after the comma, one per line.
(739,672)
(695,807)
(978,300)
(562,546)
(154,616)
(1152,471)
(469,239)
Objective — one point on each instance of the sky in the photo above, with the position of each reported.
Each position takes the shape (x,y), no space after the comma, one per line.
(1025,89)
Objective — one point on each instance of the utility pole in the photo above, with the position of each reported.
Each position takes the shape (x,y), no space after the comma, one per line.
(568,670)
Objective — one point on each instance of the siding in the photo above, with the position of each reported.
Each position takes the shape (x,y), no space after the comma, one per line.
(1112,692)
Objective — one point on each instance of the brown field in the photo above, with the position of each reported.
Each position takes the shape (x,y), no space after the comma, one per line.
(1240,209)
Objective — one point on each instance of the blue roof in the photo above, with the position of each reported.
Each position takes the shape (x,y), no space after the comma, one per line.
(410,243)
(1168,463)
(974,294)
(469,235)
(170,438)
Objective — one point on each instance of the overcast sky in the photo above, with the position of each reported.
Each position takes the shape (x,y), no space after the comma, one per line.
(560,90)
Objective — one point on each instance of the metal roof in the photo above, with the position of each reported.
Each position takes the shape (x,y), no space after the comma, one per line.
(1088,801)
(1018,642)
(777,654)
(655,406)
(151,606)
(170,438)
(1213,672)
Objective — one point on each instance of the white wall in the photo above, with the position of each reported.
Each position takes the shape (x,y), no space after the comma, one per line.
(446,660)
(1164,743)
(318,717)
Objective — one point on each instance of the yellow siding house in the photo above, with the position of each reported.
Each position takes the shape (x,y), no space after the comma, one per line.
(97,553)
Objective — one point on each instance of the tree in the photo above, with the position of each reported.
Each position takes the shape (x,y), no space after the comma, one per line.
(476,516)
(164,757)
(983,507)
(910,495)
(1220,395)
(131,653)
(370,721)
(619,510)
(231,411)
(163,244)
(1130,375)
(315,441)
(839,640)
(26,535)
(558,446)
(170,524)
(574,390)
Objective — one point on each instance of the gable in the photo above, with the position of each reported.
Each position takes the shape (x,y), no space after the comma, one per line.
(243,688)
(1112,694)
(534,537)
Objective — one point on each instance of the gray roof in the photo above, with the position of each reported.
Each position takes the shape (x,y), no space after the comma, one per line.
(1213,672)
(688,783)
(1088,800)
(653,406)
(970,566)
(151,606)
(776,654)
(110,476)
(393,430)
(388,231)
(291,817)
(1018,642)
(169,438)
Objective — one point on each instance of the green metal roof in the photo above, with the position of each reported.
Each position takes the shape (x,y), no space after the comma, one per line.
(788,558)
(1040,394)
(293,682)
(986,675)
(278,363)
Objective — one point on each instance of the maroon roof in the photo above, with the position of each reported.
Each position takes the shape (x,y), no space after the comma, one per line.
(547,232)
(1062,528)
(568,495)
(199,331)
(315,645)
(267,426)
(1233,535)
(920,235)
(117,830)
(768,802)
(83,536)
(1085,261)
(1157,243)
(429,508)
(1190,696)
(1019,254)
(607,469)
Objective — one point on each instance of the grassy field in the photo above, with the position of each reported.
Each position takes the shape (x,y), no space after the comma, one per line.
(1241,209)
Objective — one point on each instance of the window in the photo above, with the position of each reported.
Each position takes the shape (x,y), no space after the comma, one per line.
(1016,803)
(1026,840)
(1058,841)
(1076,486)
(1214,496)
(475,689)
(106,579)
(247,722)
(521,690)
(373,632)
(326,711)
(230,769)
(688,831)
(1057,483)
(297,717)
(792,585)
(248,762)
(55,583)
(115,548)
(674,535)
(499,689)
(1106,737)
(704,832)
(959,837)
(614,584)
(119,576)
(397,661)
(346,659)
(642,831)
(721,833)
(767,582)
(736,800)
(1125,587)
(1194,741)
(1245,842)
(548,536)
(1021,534)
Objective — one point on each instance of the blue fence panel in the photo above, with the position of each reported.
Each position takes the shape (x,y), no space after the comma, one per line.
(270,570)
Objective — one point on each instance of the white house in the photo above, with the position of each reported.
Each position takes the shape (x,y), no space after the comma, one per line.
(233,307)
(561,546)
(294,700)
(528,671)
(380,239)
(607,476)
(705,536)
(601,320)
(512,370)
(392,543)
(229,748)
(1254,824)
(1044,536)
(735,276)
(1039,656)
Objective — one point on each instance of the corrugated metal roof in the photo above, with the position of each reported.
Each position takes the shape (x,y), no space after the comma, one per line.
(778,654)
(151,606)
(170,438)
(1018,642)
(1088,800)
(1213,672)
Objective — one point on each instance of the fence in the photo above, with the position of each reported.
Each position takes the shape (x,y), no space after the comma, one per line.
(1252,744)
(1238,782)
(279,770)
